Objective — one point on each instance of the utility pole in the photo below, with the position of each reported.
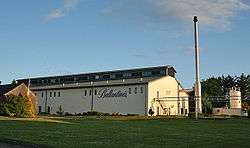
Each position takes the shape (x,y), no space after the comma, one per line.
(198,106)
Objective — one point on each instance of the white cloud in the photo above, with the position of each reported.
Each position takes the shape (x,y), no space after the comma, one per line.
(54,15)
(68,5)
(212,13)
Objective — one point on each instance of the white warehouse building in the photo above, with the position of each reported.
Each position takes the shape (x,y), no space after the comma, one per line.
(132,91)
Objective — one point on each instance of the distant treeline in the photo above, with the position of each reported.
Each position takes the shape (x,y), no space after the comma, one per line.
(219,86)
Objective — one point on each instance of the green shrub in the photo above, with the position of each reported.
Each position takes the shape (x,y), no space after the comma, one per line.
(132,115)
(16,106)
(248,112)
(60,111)
(68,114)
(95,113)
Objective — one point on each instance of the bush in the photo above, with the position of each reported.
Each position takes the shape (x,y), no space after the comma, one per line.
(43,113)
(95,113)
(60,111)
(68,114)
(16,106)
(191,114)
(248,112)
(132,115)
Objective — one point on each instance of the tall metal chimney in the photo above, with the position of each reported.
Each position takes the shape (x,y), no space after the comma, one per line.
(198,106)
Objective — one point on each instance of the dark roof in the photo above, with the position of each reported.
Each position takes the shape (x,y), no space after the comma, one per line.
(91,77)
(6,88)
(102,72)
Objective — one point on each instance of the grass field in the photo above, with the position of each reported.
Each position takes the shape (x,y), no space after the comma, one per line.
(119,132)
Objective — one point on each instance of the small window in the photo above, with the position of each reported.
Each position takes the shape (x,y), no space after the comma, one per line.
(49,110)
(42,95)
(106,76)
(54,94)
(50,94)
(90,92)
(39,109)
(97,77)
(129,90)
(141,90)
(95,92)
(118,75)
(85,93)
(58,94)
(35,94)
(135,90)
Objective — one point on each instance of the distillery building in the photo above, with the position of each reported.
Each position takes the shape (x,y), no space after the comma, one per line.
(131,91)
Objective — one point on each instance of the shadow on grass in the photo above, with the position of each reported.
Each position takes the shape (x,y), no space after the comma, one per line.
(20,144)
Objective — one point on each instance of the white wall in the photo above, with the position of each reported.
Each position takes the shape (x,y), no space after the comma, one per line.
(132,104)
(75,101)
(167,89)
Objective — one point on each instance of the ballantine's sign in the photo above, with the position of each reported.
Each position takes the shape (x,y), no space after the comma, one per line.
(109,93)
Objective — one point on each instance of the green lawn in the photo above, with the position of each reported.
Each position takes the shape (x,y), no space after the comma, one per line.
(127,132)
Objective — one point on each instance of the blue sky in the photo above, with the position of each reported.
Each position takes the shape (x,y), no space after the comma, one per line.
(54,37)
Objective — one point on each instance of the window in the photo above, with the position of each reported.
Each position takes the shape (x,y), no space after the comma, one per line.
(147,73)
(90,92)
(135,90)
(39,109)
(54,94)
(106,76)
(129,90)
(35,94)
(97,77)
(85,93)
(141,90)
(182,111)
(135,74)
(127,75)
(83,78)
(163,72)
(50,94)
(158,94)
(95,92)
(49,110)
(45,81)
(59,94)
(42,94)
(118,75)
(156,72)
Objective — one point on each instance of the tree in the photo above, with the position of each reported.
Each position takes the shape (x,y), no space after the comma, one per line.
(13,82)
(243,82)
(207,105)
(211,87)
(215,89)
(227,83)
(16,106)
(60,110)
